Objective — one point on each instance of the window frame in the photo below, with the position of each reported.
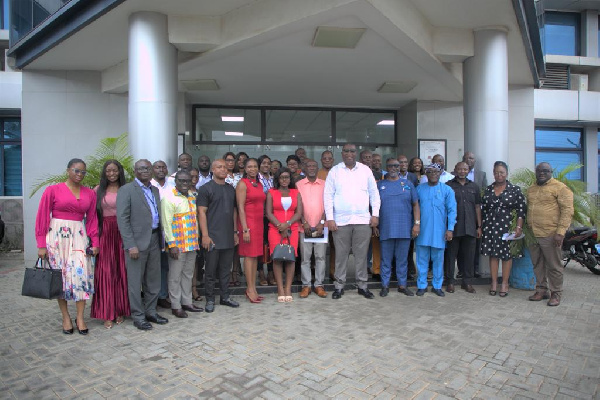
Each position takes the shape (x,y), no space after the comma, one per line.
(263,128)
(4,116)
(566,150)
(578,26)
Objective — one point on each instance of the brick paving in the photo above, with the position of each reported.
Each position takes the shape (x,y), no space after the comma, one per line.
(462,346)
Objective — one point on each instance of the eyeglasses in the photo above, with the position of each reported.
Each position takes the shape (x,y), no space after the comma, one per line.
(393,165)
(144,169)
(78,171)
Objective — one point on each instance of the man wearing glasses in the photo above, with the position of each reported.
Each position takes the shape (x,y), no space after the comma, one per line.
(399,208)
(178,216)
(549,213)
(138,217)
(349,190)
(438,217)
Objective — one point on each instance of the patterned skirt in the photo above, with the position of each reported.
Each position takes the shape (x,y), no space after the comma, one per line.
(66,242)
(111,299)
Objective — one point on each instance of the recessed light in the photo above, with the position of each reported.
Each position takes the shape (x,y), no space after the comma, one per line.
(232,119)
(335,37)
(397,87)
(234,133)
(386,122)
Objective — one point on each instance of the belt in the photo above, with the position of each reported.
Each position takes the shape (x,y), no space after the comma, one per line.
(155,230)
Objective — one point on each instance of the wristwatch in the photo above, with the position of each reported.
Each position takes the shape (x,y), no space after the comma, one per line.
(417,222)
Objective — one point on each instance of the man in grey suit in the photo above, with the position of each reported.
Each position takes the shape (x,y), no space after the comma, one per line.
(138,217)
(480,179)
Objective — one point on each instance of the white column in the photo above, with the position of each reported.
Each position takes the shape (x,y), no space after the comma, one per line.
(152,89)
(485,99)
(590,158)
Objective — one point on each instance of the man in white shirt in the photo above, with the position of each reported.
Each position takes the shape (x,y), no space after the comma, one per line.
(349,189)
(445,176)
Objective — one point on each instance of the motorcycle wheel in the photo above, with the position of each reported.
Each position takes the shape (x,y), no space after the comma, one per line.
(593,265)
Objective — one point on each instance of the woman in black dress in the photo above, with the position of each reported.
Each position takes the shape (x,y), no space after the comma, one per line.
(499,199)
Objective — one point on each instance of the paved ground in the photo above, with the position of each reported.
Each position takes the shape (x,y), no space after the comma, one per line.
(460,346)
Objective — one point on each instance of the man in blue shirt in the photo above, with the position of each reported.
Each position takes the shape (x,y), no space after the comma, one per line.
(438,217)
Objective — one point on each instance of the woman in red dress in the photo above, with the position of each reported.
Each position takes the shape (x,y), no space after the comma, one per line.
(251,208)
(110,301)
(284,209)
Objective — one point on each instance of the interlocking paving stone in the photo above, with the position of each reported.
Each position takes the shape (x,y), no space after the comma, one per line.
(462,346)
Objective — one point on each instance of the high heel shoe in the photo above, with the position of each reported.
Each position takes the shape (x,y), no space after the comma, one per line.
(257,301)
(81,331)
(68,331)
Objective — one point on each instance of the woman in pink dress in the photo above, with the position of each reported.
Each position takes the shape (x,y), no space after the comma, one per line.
(64,240)
(284,209)
(251,209)
(110,301)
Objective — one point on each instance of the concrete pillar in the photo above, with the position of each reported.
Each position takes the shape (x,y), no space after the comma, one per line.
(485,87)
(591,158)
(589,33)
(152,89)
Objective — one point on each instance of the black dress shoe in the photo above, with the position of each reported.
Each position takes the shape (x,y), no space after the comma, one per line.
(421,292)
(384,292)
(439,292)
(229,303)
(337,294)
(179,313)
(81,331)
(157,319)
(210,306)
(406,291)
(68,331)
(163,303)
(192,308)
(450,288)
(142,325)
(366,293)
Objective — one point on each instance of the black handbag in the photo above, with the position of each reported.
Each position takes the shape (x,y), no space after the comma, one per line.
(41,282)
(284,252)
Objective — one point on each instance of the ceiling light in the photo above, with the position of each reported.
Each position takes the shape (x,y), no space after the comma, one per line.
(200,84)
(231,119)
(397,87)
(342,38)
(234,133)
(386,122)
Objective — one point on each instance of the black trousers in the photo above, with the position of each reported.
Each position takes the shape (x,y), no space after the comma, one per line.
(217,262)
(463,248)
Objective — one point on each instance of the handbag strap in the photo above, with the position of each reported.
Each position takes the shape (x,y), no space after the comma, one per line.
(39,264)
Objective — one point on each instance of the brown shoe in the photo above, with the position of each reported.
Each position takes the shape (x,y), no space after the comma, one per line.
(554,299)
(450,288)
(320,291)
(468,288)
(305,292)
(192,308)
(539,296)
(179,313)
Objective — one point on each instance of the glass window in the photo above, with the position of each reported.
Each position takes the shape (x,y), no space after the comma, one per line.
(560,33)
(560,147)
(227,125)
(302,126)
(10,157)
(3,14)
(365,127)
(28,14)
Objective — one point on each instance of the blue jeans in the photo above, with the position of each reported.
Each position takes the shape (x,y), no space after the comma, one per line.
(424,254)
(397,248)
(164,275)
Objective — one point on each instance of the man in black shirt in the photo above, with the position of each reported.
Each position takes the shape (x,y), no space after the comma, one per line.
(466,230)
(217,216)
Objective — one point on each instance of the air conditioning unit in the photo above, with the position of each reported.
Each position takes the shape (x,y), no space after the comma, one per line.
(579,82)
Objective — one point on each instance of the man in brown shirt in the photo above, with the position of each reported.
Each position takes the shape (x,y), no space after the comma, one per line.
(549,213)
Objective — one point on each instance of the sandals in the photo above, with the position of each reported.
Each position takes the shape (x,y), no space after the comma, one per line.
(492,292)
(108,324)
(281,299)
(289,299)
(120,320)
(503,293)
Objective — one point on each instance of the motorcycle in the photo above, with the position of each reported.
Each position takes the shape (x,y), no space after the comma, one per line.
(581,245)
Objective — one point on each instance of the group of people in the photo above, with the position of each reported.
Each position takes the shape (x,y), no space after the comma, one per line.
(151,238)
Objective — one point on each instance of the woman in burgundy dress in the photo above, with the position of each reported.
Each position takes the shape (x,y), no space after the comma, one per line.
(111,301)
(251,208)
(63,238)
(284,209)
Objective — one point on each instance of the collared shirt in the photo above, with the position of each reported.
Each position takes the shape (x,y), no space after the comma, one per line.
(179,220)
(203,180)
(267,183)
(549,208)
(396,213)
(438,214)
(312,200)
(147,190)
(348,193)
(162,190)
(468,198)
(444,177)
(471,175)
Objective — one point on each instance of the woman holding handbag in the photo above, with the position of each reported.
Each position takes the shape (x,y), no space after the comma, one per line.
(284,209)
(111,299)
(63,238)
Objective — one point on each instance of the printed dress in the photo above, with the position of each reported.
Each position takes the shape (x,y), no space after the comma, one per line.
(60,229)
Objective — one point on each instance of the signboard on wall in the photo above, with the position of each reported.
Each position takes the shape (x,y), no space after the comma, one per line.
(429,148)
